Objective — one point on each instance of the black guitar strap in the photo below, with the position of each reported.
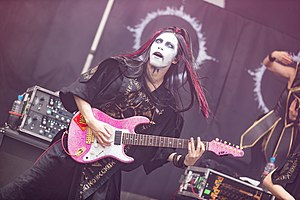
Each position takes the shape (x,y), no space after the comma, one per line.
(96,175)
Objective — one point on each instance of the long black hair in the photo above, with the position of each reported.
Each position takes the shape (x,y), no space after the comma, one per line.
(180,73)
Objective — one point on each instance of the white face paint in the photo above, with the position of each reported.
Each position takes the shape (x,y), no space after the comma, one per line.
(163,50)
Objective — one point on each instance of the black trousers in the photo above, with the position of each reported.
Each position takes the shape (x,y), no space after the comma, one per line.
(56,176)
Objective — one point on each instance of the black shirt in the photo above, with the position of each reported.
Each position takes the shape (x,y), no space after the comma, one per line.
(111,88)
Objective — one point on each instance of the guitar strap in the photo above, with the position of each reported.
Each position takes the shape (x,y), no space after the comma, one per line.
(95,175)
(276,125)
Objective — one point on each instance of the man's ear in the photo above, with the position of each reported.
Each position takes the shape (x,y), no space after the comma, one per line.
(175,61)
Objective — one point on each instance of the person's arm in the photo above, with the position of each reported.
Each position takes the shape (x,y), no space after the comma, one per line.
(194,154)
(293,110)
(272,63)
(100,131)
(277,62)
(277,190)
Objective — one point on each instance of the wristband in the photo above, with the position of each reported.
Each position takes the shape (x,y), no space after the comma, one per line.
(175,159)
(271,59)
(181,162)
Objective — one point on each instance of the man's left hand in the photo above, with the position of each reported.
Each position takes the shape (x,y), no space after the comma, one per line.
(194,152)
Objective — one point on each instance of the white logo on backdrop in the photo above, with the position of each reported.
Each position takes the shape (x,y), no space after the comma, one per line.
(139,28)
(257,77)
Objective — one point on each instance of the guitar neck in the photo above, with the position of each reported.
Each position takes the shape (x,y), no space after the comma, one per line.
(153,141)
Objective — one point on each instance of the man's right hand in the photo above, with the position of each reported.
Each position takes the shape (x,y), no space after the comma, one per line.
(101,132)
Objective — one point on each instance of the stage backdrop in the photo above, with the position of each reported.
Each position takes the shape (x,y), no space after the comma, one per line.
(46,43)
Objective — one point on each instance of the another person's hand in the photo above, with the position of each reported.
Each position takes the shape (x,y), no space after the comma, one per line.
(282,56)
(279,62)
(194,152)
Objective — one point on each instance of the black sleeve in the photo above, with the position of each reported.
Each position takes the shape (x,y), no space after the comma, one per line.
(91,83)
(172,128)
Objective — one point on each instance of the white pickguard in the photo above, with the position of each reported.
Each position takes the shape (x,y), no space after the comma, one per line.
(116,151)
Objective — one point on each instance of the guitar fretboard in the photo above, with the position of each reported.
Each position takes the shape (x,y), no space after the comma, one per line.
(152,140)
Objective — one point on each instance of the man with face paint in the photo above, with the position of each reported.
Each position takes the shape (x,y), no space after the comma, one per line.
(143,83)
(163,51)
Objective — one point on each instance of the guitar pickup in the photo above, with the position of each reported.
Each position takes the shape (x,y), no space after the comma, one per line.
(118,137)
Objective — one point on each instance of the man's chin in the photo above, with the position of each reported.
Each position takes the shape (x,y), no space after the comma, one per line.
(157,65)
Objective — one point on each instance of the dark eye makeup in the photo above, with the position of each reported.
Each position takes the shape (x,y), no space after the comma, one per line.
(158,40)
(168,44)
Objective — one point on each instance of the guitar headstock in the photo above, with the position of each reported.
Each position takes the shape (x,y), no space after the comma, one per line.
(224,148)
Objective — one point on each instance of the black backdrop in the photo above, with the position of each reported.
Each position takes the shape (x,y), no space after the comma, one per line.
(46,43)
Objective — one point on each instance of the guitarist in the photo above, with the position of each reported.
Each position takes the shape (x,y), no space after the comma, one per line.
(143,83)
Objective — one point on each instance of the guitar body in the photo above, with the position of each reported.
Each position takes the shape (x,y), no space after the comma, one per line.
(82,145)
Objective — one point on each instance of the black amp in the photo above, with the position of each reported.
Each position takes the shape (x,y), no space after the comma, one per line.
(43,115)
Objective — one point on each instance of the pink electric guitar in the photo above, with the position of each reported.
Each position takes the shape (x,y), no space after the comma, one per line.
(83,147)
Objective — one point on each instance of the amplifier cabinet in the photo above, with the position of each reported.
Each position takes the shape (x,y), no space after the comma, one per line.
(44,115)
(205,183)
